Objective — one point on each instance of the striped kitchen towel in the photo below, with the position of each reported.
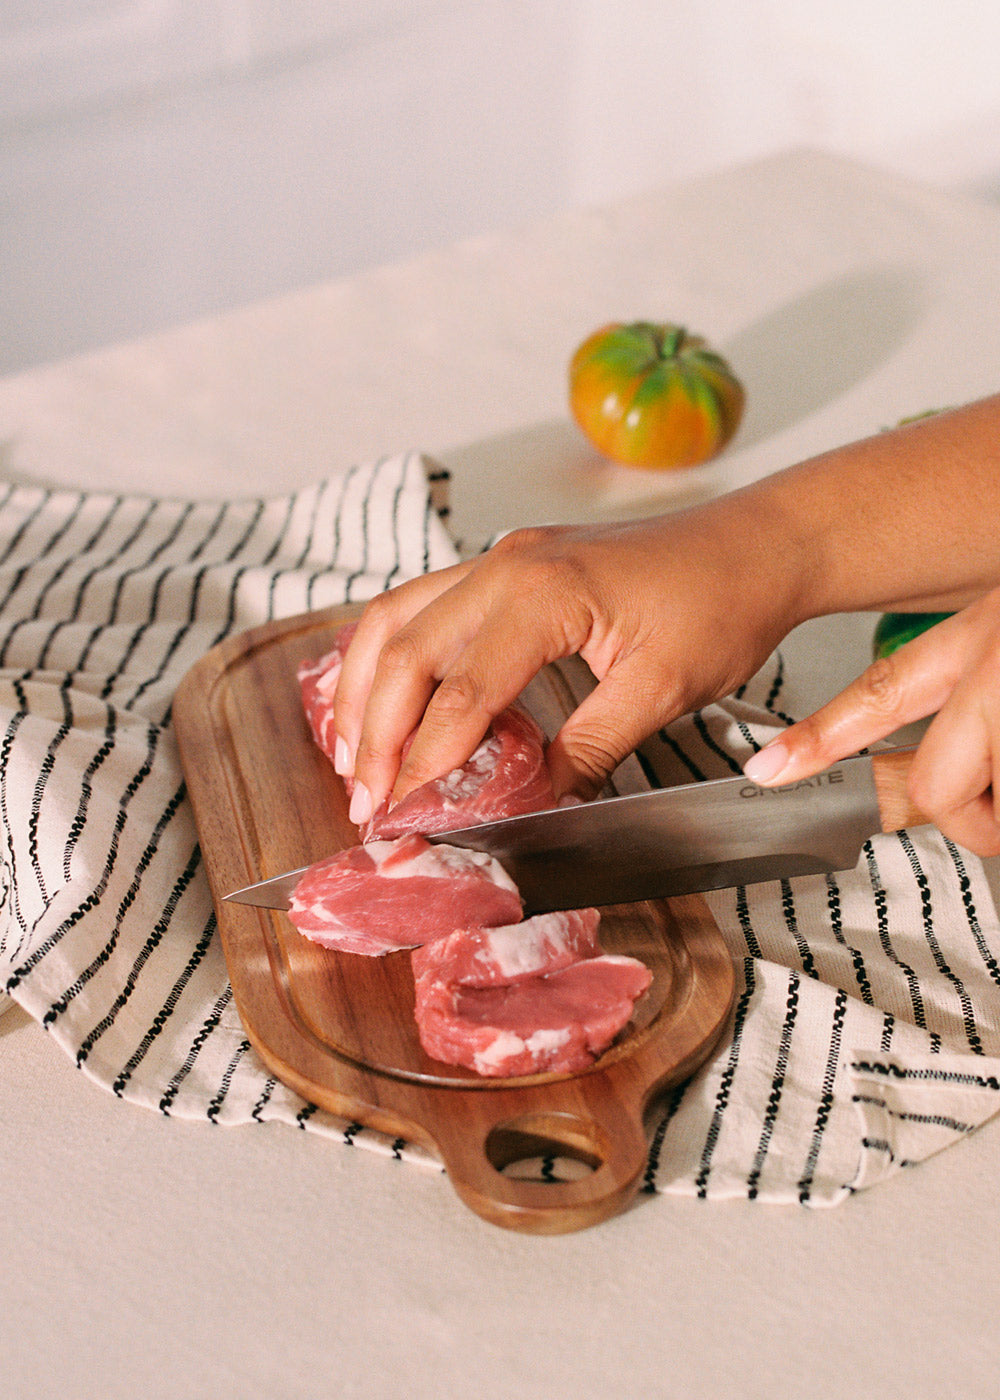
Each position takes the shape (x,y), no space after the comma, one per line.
(108,936)
(863,1037)
(866,1030)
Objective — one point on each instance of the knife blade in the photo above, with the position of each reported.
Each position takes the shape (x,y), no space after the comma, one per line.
(680,840)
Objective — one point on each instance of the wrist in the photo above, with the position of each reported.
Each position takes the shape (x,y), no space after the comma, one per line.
(771,549)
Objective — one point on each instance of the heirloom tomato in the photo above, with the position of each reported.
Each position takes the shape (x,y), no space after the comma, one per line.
(651,395)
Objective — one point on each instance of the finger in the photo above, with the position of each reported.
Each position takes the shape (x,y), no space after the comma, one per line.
(382,617)
(954,775)
(894,691)
(408,671)
(973,826)
(622,710)
(519,635)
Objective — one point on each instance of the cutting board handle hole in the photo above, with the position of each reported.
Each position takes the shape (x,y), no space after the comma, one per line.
(550,1147)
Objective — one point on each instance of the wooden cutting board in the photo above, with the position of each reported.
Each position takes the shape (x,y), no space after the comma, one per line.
(339,1028)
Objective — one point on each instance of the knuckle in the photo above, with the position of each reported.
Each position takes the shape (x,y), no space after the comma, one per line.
(399,655)
(813,749)
(377,607)
(346,713)
(525,540)
(593,754)
(882,688)
(374,754)
(561,589)
(415,772)
(380,615)
(922,793)
(972,831)
(541,556)
(459,694)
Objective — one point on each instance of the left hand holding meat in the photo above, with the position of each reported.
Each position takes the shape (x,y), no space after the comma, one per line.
(440,656)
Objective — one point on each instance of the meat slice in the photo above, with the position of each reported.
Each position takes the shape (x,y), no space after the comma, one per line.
(318,684)
(496,957)
(388,895)
(506,775)
(559,1022)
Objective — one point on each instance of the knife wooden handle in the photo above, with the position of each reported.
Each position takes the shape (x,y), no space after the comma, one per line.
(891,770)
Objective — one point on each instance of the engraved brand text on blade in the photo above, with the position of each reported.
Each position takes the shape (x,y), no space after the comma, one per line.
(821,780)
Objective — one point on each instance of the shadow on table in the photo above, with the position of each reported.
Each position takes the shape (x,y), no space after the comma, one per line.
(806,353)
(12,1017)
(793,361)
(547,473)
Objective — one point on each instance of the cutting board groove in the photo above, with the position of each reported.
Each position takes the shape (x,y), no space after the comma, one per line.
(339,1028)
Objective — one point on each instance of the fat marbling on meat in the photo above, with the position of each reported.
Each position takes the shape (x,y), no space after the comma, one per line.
(506,776)
(556,1022)
(498,956)
(388,895)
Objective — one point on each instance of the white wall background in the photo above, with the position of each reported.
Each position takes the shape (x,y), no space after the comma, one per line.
(162,159)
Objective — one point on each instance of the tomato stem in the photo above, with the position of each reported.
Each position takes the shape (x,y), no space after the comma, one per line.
(669,340)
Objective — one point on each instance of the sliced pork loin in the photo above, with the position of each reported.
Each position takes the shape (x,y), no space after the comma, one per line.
(506,775)
(558,1022)
(496,957)
(388,895)
(318,684)
(494,995)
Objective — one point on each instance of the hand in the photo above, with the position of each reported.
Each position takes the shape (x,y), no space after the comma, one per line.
(952,672)
(669,614)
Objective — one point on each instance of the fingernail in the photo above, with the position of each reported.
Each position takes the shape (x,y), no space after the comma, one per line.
(361,808)
(570,799)
(767,764)
(343,762)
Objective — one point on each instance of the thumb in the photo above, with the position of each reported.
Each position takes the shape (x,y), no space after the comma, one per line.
(605,728)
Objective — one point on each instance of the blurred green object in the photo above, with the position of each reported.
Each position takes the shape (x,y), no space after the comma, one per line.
(917,417)
(894,630)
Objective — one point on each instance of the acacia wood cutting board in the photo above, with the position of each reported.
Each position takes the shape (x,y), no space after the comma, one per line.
(339,1028)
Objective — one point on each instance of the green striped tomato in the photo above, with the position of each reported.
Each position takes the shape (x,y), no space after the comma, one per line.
(651,395)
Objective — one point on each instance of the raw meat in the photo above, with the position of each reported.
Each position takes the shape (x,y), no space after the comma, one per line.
(497,996)
(318,683)
(496,957)
(505,776)
(388,895)
(559,1022)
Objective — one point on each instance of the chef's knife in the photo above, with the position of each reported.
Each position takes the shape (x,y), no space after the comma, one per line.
(678,840)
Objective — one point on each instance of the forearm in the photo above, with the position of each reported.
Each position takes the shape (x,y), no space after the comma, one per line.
(906,520)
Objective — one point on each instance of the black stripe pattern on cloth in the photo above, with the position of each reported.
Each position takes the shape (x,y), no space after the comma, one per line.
(108,936)
(865,1034)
